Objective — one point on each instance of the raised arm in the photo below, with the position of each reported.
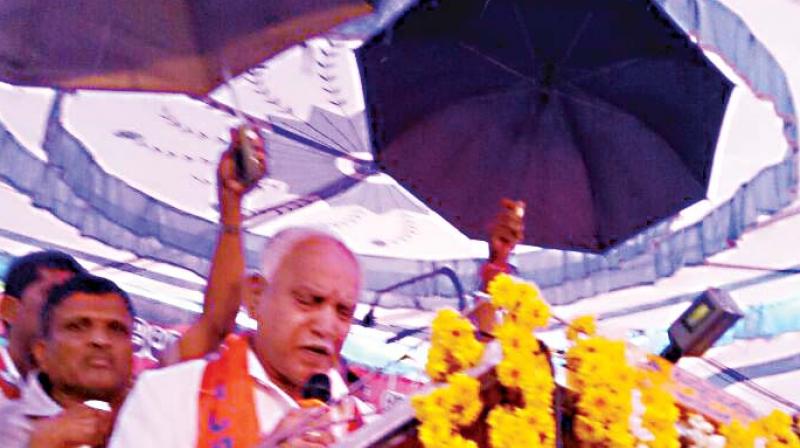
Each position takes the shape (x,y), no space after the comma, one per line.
(222,296)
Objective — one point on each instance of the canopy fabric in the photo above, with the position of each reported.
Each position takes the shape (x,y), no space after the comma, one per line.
(164,46)
(46,205)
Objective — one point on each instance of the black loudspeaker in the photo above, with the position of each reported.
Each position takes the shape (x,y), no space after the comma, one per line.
(709,316)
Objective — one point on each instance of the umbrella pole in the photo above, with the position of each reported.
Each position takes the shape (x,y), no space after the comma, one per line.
(237,106)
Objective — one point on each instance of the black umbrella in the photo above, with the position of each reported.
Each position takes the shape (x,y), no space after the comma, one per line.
(155,45)
(602,116)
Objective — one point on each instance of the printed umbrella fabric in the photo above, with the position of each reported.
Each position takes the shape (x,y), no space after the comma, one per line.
(167,46)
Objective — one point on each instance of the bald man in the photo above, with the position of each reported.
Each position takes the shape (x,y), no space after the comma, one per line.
(253,389)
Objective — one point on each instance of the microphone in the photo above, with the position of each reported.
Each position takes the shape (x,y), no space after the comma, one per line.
(316,391)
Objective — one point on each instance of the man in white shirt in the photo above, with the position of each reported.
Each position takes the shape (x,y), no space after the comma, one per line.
(84,353)
(312,286)
(28,281)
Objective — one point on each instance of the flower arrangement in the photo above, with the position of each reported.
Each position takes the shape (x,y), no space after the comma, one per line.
(660,414)
(772,431)
(599,374)
(525,368)
(444,410)
(616,404)
(454,348)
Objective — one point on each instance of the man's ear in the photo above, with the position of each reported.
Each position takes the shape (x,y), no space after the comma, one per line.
(38,350)
(254,285)
(9,308)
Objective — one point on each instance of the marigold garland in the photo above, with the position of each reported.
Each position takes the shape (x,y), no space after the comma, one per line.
(453,348)
(445,409)
(774,430)
(453,345)
(599,372)
(777,430)
(525,367)
(661,413)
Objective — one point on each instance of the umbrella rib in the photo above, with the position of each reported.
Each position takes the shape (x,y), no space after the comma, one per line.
(287,131)
(532,81)
(497,63)
(342,152)
(218,105)
(359,145)
(525,31)
(607,69)
(576,39)
(485,7)
(325,192)
(338,130)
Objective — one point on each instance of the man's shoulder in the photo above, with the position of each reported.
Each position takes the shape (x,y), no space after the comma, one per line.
(180,372)
(15,428)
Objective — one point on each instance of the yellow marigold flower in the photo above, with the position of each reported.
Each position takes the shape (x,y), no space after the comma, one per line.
(501,289)
(449,326)
(777,428)
(509,372)
(589,431)
(620,437)
(453,345)
(530,313)
(505,428)
(430,406)
(457,441)
(738,434)
(435,433)
(537,389)
(514,338)
(539,423)
(599,372)
(467,352)
(581,325)
(437,367)
(463,402)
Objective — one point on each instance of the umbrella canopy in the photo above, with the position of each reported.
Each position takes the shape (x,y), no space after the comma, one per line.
(170,46)
(603,119)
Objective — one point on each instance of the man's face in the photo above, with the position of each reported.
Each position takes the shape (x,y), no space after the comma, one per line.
(500,247)
(307,307)
(25,327)
(88,350)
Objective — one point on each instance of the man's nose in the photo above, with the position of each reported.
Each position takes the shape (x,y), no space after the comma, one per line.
(325,322)
(99,337)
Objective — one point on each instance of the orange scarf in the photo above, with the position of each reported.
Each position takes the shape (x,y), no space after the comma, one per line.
(227,410)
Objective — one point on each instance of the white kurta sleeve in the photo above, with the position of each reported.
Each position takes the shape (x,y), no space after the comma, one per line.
(141,421)
(161,410)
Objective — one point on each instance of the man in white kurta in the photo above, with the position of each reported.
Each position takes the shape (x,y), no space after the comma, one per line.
(161,411)
(312,287)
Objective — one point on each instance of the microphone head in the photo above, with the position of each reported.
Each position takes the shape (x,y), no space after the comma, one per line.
(318,387)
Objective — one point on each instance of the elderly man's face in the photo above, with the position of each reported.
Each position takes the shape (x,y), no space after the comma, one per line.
(88,350)
(306,311)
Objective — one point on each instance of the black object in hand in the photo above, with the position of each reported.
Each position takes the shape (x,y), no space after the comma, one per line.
(248,169)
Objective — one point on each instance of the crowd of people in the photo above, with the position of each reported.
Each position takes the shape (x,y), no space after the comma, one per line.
(66,373)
